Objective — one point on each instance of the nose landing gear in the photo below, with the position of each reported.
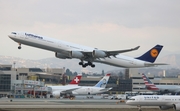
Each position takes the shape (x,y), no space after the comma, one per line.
(19,47)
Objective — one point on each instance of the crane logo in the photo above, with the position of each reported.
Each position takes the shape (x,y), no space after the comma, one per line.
(104,82)
(154,52)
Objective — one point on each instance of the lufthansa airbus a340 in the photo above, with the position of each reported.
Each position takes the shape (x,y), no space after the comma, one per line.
(66,50)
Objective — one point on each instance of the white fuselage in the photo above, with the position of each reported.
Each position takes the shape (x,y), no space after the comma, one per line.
(88,90)
(153,100)
(62,47)
(63,88)
(169,88)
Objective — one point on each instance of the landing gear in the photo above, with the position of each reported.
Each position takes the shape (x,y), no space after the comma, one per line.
(19,47)
(86,64)
(139,108)
(80,63)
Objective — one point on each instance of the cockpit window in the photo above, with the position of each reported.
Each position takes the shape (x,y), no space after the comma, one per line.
(13,33)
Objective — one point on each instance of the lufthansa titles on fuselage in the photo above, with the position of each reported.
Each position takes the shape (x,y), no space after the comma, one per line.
(34,36)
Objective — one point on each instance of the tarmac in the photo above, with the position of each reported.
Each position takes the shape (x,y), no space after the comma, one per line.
(68,105)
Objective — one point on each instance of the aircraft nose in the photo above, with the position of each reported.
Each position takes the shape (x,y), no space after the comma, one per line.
(10,36)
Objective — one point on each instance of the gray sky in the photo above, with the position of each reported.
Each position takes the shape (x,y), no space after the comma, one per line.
(104,24)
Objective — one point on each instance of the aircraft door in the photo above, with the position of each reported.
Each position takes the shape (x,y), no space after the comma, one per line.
(25,36)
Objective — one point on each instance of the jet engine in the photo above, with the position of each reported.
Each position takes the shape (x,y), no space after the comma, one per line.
(176,107)
(60,55)
(56,94)
(76,54)
(165,107)
(99,54)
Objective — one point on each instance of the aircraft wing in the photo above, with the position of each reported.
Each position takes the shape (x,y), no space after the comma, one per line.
(114,53)
(106,89)
(154,64)
(104,53)
(70,90)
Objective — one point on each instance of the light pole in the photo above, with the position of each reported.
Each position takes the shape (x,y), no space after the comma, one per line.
(14,64)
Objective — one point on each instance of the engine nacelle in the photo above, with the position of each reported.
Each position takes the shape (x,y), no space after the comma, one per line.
(76,54)
(56,94)
(165,107)
(176,107)
(99,54)
(60,55)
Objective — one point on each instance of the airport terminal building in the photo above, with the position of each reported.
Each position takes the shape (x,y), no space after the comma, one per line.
(24,82)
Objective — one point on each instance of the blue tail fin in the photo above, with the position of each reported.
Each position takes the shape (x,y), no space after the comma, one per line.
(103,82)
(152,54)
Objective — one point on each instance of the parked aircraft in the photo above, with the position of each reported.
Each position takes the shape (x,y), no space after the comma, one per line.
(162,89)
(66,50)
(100,87)
(163,101)
(67,89)
(88,90)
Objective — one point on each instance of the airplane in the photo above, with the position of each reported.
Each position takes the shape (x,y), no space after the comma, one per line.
(67,89)
(67,50)
(163,101)
(162,89)
(100,87)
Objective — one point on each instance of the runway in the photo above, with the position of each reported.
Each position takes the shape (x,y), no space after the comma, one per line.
(39,104)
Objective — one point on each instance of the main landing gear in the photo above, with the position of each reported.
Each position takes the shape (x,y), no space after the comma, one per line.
(86,64)
(139,108)
(19,47)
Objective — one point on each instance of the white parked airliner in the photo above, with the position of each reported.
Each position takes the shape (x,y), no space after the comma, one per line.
(100,87)
(162,89)
(66,50)
(67,89)
(163,101)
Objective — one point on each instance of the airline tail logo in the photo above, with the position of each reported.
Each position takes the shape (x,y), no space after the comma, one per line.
(76,80)
(154,52)
(148,83)
(103,82)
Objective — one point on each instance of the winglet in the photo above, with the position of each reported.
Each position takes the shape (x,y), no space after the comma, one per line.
(136,48)
(152,54)
(76,80)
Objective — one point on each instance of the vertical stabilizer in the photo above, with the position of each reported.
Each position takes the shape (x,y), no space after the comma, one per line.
(152,54)
(76,80)
(103,82)
(149,85)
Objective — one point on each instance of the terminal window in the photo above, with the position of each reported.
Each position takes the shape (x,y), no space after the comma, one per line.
(5,82)
(5,68)
(35,70)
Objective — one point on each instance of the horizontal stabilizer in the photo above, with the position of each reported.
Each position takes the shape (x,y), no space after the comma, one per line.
(154,64)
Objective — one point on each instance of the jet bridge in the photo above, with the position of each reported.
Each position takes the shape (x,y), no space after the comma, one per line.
(29,88)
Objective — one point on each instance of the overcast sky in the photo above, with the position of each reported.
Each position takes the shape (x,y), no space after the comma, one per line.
(104,24)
